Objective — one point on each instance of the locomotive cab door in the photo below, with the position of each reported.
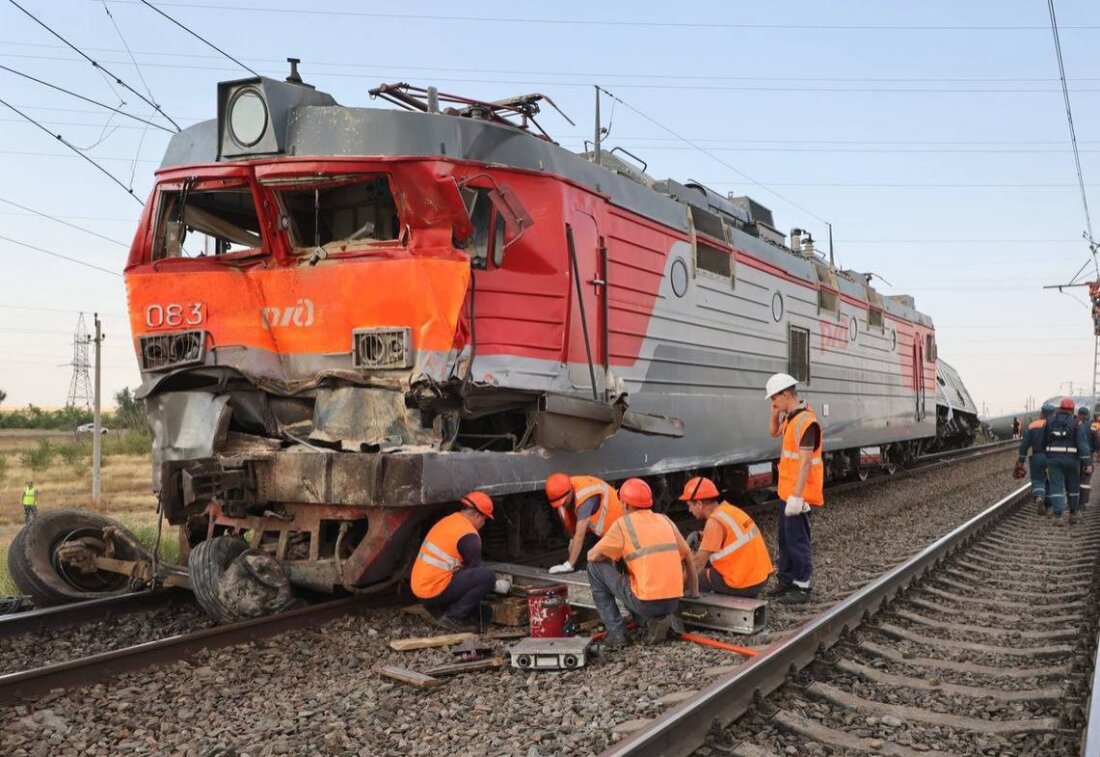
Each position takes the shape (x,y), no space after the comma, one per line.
(588,316)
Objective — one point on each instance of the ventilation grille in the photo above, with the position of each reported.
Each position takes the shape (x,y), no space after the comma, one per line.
(381,348)
(162,351)
(798,355)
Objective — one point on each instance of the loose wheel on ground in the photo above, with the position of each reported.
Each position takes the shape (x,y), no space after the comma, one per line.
(38,569)
(232,582)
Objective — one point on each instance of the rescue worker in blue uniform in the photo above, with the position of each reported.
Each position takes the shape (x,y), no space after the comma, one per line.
(1068,456)
(1032,441)
(1084,420)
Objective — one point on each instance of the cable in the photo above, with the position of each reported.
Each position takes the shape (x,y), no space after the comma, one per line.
(96,65)
(711,155)
(59,255)
(75,149)
(85,99)
(194,34)
(122,39)
(64,223)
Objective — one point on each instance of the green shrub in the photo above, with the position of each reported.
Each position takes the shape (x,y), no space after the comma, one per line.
(76,455)
(146,533)
(40,457)
(3,470)
(127,443)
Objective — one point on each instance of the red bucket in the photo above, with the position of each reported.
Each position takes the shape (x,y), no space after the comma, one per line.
(548,611)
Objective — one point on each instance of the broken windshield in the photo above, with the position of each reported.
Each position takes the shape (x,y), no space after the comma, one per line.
(336,215)
(198,222)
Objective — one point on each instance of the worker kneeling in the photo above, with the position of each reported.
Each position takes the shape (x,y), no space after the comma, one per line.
(447,573)
(655,555)
(732,557)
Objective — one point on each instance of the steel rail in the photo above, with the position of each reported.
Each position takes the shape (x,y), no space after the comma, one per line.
(683,729)
(63,616)
(15,687)
(1090,740)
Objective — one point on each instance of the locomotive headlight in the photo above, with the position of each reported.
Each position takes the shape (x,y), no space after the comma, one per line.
(247,117)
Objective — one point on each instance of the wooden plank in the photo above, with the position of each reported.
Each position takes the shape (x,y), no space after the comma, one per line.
(412,677)
(509,633)
(466,667)
(427,642)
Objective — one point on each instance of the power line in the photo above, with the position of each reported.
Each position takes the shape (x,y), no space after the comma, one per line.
(608,22)
(709,154)
(59,255)
(95,64)
(63,223)
(122,39)
(85,99)
(196,35)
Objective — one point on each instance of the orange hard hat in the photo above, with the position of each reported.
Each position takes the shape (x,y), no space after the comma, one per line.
(636,493)
(1067,404)
(479,501)
(699,488)
(558,489)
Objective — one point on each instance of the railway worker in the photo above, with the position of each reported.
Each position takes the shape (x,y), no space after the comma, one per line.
(656,559)
(448,574)
(587,506)
(1032,442)
(801,485)
(30,502)
(1015,428)
(732,557)
(1084,419)
(1068,456)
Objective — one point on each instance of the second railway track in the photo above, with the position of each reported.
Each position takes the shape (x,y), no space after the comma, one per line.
(988,652)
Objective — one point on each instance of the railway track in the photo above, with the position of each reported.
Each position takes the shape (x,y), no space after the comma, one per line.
(982,643)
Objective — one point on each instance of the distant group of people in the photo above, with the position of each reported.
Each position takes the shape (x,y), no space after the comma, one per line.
(1061,444)
(636,557)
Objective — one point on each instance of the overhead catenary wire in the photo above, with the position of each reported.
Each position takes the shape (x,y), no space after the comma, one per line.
(98,66)
(197,36)
(51,253)
(62,222)
(77,150)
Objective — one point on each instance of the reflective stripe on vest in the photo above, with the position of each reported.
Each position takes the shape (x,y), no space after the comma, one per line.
(654,566)
(438,558)
(435,556)
(790,459)
(30,496)
(1070,450)
(741,538)
(609,509)
(744,560)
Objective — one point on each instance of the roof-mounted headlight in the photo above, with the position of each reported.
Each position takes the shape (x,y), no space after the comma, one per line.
(247,117)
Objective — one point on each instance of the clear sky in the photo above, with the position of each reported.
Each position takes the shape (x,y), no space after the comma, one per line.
(933,136)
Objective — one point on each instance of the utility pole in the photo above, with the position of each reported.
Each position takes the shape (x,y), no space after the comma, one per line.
(97,432)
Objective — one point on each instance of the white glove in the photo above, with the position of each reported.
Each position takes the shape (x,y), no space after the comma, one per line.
(795,506)
(502,585)
(565,567)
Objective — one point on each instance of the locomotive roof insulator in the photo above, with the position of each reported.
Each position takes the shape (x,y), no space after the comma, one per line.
(253,113)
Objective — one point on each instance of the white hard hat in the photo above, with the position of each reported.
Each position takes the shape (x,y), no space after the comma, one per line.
(778,383)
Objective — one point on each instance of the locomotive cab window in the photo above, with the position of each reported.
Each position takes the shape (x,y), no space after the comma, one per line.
(197,222)
(340,213)
(487,241)
(798,353)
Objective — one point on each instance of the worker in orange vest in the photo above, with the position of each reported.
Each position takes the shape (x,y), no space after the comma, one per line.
(801,485)
(655,556)
(732,557)
(586,506)
(448,574)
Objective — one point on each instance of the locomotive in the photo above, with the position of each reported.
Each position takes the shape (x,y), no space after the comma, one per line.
(346,318)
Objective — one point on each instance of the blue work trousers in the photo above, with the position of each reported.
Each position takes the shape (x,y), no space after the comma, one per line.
(796,554)
(1037,467)
(608,585)
(460,600)
(1086,485)
(712,580)
(1065,483)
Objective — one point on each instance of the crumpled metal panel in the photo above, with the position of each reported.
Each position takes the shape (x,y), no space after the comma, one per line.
(185,425)
(355,416)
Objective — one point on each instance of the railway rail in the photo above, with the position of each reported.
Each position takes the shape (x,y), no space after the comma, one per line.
(967,647)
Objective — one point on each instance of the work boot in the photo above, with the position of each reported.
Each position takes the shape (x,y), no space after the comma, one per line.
(1058,520)
(796,596)
(448,623)
(1072,517)
(779,590)
(1040,506)
(615,640)
(656,630)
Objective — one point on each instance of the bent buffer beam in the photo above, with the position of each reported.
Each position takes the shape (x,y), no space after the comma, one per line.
(715,611)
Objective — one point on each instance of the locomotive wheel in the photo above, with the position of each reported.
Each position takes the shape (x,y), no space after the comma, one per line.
(37,570)
(232,582)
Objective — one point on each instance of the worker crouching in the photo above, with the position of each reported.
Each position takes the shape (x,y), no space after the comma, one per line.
(587,506)
(732,557)
(447,573)
(655,556)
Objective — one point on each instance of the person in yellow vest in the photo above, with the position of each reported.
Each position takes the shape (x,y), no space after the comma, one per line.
(447,573)
(587,506)
(732,557)
(801,485)
(656,558)
(30,502)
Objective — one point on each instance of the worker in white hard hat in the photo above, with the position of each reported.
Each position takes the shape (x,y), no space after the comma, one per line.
(801,483)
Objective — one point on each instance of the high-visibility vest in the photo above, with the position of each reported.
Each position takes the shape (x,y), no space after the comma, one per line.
(438,558)
(743,559)
(609,509)
(30,496)
(793,429)
(652,555)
